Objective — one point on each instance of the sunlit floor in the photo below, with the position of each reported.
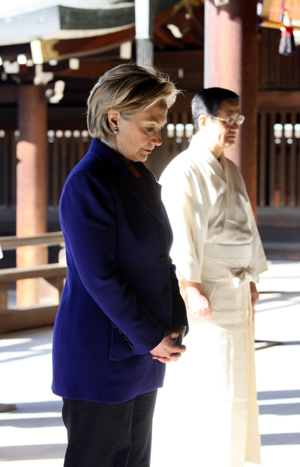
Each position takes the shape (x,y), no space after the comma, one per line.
(33,434)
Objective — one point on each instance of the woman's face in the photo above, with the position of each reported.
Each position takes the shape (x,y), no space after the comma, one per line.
(136,138)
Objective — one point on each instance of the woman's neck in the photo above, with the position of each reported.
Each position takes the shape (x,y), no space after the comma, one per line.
(129,164)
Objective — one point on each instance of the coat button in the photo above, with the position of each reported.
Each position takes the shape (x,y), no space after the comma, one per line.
(166,293)
(130,344)
(160,229)
(163,261)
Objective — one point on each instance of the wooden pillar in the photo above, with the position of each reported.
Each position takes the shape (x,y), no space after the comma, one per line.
(231,62)
(31,185)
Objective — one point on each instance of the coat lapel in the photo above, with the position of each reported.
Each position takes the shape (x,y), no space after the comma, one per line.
(125,179)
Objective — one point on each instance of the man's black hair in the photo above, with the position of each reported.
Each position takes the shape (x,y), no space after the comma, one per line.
(208,102)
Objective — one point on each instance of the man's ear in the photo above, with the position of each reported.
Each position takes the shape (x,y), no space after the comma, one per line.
(113,119)
(202,120)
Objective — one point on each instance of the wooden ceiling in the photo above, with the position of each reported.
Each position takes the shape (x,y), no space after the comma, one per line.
(182,57)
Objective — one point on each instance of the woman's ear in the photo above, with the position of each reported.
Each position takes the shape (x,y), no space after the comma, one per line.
(113,119)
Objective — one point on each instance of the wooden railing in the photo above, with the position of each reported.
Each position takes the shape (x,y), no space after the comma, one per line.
(16,318)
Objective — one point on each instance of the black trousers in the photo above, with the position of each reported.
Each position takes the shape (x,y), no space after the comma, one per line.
(109,435)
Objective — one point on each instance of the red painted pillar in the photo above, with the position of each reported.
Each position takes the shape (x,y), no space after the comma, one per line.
(231,61)
(31,185)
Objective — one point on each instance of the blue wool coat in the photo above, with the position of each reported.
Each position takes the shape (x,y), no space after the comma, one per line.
(121,291)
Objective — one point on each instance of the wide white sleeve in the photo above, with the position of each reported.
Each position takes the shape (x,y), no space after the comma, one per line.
(188,218)
(259,260)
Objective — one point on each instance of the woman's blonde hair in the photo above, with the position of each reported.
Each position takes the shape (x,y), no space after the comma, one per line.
(129,89)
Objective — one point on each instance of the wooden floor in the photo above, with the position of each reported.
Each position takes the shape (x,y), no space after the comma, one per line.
(33,435)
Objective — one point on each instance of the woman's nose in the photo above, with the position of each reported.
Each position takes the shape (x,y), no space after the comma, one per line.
(157,139)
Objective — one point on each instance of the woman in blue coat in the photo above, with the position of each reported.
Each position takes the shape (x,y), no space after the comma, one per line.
(121,316)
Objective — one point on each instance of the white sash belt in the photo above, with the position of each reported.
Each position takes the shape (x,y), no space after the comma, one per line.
(228,262)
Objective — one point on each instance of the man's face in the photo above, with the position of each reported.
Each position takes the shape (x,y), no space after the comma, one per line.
(219,133)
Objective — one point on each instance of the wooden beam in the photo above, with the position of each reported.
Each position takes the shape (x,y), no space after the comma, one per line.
(169,61)
(46,239)
(14,50)
(88,70)
(64,118)
(276,25)
(158,43)
(92,45)
(193,23)
(278,100)
(189,60)
(27,317)
(190,37)
(9,94)
(46,271)
(164,34)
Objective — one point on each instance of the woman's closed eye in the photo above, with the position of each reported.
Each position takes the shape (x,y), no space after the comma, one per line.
(150,129)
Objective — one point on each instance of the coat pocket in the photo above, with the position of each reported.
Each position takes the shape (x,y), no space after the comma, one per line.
(120,347)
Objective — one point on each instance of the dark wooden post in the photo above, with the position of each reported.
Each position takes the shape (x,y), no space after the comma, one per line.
(231,61)
(31,185)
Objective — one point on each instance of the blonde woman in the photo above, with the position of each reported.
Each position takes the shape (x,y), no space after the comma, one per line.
(121,316)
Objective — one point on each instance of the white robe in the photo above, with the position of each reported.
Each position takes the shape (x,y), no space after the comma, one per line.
(216,243)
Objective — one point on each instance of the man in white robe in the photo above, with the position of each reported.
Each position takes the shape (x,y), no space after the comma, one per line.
(219,256)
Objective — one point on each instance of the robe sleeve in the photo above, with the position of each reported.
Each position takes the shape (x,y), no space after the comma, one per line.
(188,218)
(259,261)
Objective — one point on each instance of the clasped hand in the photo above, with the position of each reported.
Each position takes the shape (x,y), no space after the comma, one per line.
(170,348)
